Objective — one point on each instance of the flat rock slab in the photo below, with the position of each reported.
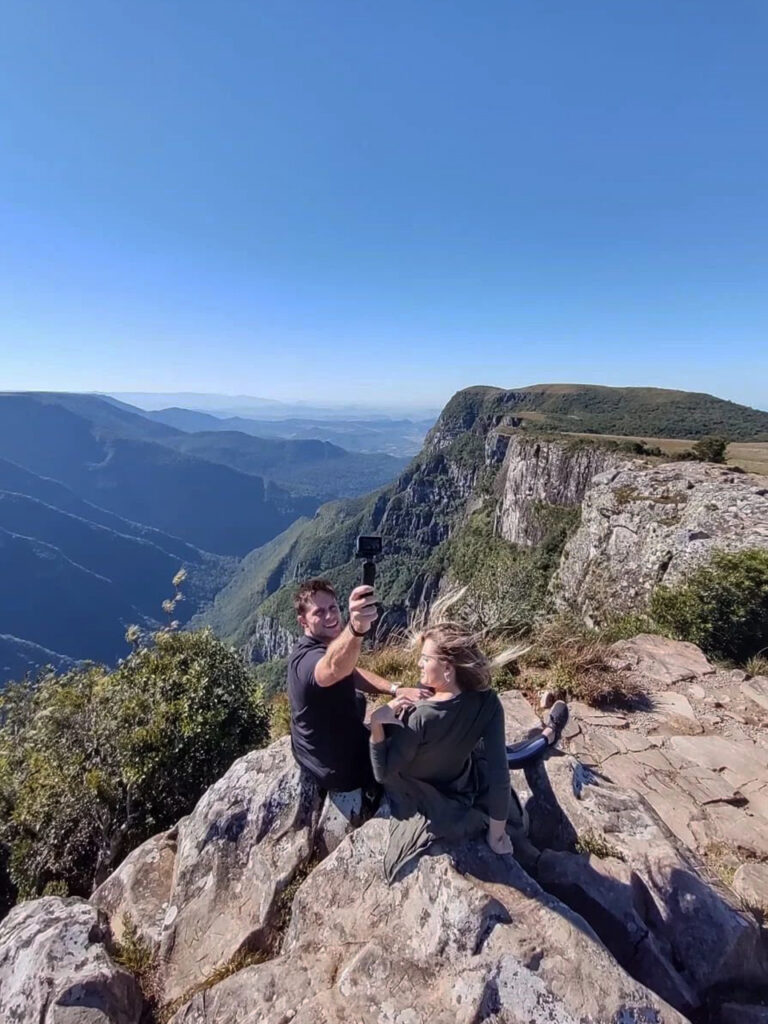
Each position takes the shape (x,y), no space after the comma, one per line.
(587,715)
(673,715)
(659,660)
(751,884)
(756,691)
(741,762)
(519,716)
(55,969)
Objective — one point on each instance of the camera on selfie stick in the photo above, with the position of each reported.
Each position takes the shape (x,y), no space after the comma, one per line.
(368,548)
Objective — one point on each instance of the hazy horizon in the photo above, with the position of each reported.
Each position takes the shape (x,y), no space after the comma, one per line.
(266,407)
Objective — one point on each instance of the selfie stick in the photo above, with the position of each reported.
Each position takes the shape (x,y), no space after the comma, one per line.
(369,573)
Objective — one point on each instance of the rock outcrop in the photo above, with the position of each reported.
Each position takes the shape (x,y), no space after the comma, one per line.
(644,526)
(462,938)
(55,968)
(237,852)
(268,640)
(634,898)
(630,800)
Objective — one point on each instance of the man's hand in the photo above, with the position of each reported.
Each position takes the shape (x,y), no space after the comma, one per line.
(362,609)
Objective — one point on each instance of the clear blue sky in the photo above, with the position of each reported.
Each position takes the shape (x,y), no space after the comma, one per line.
(348,200)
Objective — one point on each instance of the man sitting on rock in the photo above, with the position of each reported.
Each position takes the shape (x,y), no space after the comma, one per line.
(328,736)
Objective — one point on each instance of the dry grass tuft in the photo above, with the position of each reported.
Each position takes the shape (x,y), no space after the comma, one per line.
(722,861)
(573,662)
(396,661)
(279,717)
(595,843)
(757,665)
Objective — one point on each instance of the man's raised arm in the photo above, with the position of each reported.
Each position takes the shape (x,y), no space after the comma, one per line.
(342,655)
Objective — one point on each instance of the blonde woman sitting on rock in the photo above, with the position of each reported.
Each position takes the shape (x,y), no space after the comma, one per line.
(444,762)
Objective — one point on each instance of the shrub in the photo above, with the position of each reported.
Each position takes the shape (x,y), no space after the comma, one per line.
(723,607)
(710,449)
(94,761)
(279,717)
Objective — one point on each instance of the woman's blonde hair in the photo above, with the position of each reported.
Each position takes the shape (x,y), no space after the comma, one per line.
(455,646)
(458,646)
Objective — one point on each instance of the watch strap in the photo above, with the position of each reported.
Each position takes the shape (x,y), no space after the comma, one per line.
(355,632)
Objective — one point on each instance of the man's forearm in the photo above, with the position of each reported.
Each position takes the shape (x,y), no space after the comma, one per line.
(370,682)
(340,659)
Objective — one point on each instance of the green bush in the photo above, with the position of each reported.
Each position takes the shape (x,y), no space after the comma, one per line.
(711,449)
(95,761)
(723,607)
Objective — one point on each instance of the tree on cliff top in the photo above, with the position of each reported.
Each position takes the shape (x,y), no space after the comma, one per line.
(94,761)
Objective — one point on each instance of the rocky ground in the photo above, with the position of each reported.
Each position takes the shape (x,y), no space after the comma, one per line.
(636,897)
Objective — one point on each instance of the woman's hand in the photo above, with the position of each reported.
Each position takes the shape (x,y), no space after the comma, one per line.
(498,840)
(414,693)
(387,714)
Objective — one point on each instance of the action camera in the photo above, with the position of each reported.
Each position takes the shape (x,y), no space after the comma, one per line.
(368,548)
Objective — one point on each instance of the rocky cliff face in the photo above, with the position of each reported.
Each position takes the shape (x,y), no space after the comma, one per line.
(642,525)
(550,473)
(265,905)
(268,640)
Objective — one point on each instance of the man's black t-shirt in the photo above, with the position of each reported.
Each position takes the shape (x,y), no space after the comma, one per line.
(328,736)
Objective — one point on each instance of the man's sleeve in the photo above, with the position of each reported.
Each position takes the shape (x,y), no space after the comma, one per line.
(305,666)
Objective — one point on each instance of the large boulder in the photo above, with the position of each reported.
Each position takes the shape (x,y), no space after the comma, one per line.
(756,691)
(237,852)
(711,941)
(612,897)
(461,937)
(660,661)
(140,888)
(55,968)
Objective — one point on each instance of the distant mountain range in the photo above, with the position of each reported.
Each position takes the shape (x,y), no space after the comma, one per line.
(269,408)
(100,505)
(373,436)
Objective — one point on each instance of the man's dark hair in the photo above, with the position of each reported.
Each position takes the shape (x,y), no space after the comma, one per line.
(307,591)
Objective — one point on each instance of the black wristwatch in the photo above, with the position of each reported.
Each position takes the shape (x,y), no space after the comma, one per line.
(354,632)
